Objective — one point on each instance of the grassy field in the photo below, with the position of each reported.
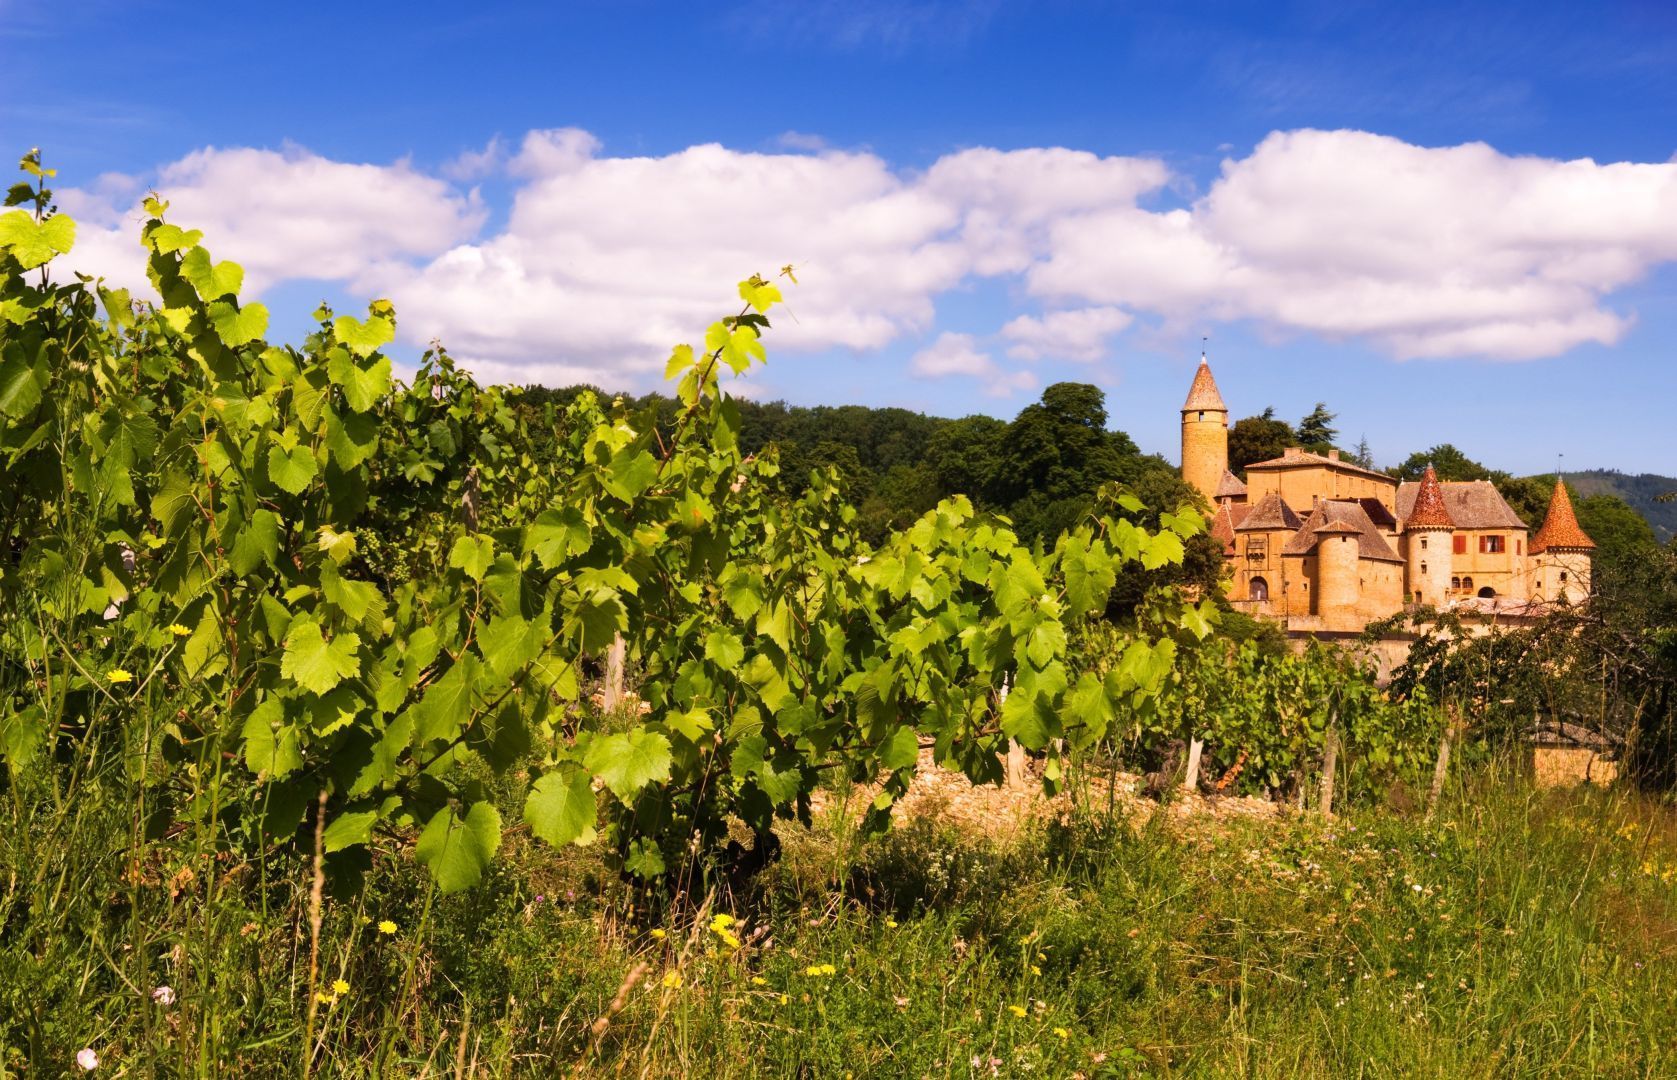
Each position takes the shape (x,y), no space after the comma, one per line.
(1518,934)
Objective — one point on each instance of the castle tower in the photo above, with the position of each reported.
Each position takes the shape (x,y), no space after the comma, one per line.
(1205,434)
(1427,544)
(1338,546)
(1561,552)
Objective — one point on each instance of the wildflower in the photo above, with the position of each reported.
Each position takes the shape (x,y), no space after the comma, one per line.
(326,999)
(657,935)
(672,980)
(783,999)
(386,927)
(339,987)
(1035,970)
(1017,1010)
(758,980)
(1062,1033)
(890,924)
(721,921)
(178,630)
(820,969)
(164,995)
(118,675)
(87,1058)
(720,927)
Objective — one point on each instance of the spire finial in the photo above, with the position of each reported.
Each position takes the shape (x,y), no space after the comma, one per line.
(1203,339)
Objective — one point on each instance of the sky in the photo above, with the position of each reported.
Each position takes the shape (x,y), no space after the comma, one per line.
(1452,222)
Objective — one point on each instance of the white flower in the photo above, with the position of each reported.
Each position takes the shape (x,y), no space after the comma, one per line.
(87,1059)
(164,995)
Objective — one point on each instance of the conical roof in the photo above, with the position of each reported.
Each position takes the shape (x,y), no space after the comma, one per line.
(1230,487)
(1203,394)
(1560,525)
(1429,511)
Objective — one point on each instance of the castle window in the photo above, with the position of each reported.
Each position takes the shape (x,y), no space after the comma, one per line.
(1491,545)
(1519,547)
(1423,568)
(1202,416)
(1461,545)
(1423,543)
(1563,575)
(1455,583)
(1467,584)
(1257,589)
(1487,592)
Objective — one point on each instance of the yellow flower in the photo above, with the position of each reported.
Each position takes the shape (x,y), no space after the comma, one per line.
(890,924)
(1017,1010)
(326,999)
(385,926)
(339,987)
(820,969)
(783,999)
(721,921)
(1062,1033)
(1035,970)
(179,631)
(672,980)
(658,935)
(728,936)
(758,980)
(117,675)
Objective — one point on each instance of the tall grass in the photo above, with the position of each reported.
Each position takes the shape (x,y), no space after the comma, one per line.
(1518,933)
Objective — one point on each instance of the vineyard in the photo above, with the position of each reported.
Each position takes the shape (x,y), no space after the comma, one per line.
(299,667)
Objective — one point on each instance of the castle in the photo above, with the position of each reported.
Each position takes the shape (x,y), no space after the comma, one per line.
(1325,546)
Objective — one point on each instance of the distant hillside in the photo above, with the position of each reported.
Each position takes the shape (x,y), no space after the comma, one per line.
(1639,491)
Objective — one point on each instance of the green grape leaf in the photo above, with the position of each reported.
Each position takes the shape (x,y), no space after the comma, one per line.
(562,810)
(291,470)
(473,554)
(349,830)
(257,543)
(238,326)
(759,294)
(556,535)
(629,760)
(313,662)
(457,849)
(364,338)
(34,244)
(362,386)
(212,282)
(270,743)
(725,648)
(681,360)
(901,750)
(166,238)
(508,643)
(631,472)
(20,385)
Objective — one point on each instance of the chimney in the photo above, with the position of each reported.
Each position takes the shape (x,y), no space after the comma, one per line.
(1333,455)
(1291,451)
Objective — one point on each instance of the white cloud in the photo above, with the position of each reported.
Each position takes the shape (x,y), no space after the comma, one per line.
(604,262)
(958,354)
(1080,334)
(475,164)
(285,215)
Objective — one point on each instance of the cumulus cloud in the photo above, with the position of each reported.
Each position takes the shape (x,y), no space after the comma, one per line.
(1080,334)
(958,354)
(604,262)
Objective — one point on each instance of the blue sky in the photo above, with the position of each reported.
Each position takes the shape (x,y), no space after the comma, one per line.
(1288,179)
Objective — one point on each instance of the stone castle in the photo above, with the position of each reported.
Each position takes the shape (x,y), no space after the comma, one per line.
(1325,546)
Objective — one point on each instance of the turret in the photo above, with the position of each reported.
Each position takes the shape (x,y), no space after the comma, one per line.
(1338,546)
(1427,544)
(1205,434)
(1561,552)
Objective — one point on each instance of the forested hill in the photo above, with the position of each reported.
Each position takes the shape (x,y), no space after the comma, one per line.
(1040,469)
(1641,491)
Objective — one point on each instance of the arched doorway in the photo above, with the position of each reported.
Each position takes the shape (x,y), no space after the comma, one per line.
(1257,589)
(1487,592)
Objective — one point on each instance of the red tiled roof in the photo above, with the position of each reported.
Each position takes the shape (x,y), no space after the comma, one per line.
(1230,486)
(1270,512)
(1228,518)
(1300,458)
(1560,526)
(1429,511)
(1203,394)
(1341,516)
(1471,504)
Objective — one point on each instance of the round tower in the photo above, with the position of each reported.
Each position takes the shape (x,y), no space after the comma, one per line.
(1561,552)
(1338,546)
(1205,434)
(1427,534)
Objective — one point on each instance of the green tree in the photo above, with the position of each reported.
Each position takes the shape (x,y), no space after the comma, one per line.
(1316,432)
(1258,438)
(1449,462)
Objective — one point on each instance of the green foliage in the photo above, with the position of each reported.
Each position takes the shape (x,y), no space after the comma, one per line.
(1258,438)
(1316,432)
